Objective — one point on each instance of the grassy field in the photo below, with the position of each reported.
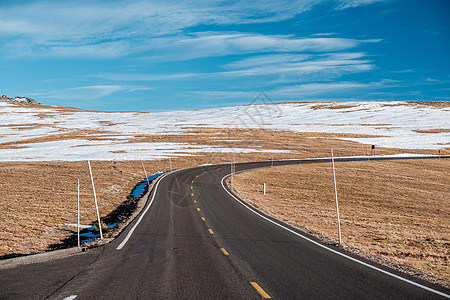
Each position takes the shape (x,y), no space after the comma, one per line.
(397,209)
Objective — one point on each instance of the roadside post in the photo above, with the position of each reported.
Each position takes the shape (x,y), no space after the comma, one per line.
(145,172)
(335,193)
(95,199)
(264,188)
(78,214)
(233,168)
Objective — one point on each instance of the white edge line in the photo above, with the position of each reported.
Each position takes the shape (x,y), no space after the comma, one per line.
(143,214)
(71,297)
(334,251)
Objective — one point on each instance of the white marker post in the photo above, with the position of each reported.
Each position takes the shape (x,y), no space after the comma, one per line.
(233,167)
(231,171)
(170,161)
(335,193)
(145,172)
(264,188)
(78,218)
(95,199)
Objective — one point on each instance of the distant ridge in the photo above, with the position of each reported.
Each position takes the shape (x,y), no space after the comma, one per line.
(24,100)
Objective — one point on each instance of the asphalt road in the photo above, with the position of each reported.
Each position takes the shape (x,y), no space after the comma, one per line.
(196,241)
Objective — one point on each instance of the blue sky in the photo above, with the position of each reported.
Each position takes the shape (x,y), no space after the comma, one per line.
(159,56)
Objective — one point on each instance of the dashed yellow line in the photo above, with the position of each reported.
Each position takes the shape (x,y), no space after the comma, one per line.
(195,201)
(225,252)
(260,290)
(198,209)
(210,231)
(203,219)
(192,194)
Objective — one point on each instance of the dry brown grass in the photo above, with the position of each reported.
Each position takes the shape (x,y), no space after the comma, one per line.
(437,104)
(27,126)
(91,135)
(39,198)
(437,130)
(397,209)
(334,106)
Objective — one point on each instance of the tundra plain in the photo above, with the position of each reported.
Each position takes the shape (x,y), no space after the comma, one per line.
(44,151)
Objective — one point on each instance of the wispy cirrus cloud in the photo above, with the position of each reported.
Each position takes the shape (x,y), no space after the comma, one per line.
(214,44)
(98,20)
(308,91)
(292,67)
(324,90)
(118,28)
(277,68)
(91,92)
(343,4)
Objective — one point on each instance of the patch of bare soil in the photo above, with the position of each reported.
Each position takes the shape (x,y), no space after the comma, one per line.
(399,210)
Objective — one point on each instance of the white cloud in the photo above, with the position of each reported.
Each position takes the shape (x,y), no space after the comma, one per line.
(213,44)
(147,77)
(117,28)
(403,71)
(226,94)
(89,92)
(278,67)
(270,59)
(343,4)
(323,89)
(102,50)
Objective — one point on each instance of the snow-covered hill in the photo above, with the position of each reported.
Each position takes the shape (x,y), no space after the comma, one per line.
(24,100)
(397,124)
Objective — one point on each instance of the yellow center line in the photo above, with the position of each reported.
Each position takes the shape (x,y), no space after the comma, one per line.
(195,201)
(203,219)
(224,251)
(198,209)
(192,194)
(210,231)
(260,290)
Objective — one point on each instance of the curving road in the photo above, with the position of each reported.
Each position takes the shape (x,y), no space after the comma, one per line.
(195,240)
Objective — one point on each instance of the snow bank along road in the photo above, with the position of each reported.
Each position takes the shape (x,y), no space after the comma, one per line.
(197,241)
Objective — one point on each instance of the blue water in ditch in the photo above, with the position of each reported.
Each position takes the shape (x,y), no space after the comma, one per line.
(139,189)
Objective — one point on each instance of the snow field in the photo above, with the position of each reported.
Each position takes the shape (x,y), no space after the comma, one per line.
(394,124)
